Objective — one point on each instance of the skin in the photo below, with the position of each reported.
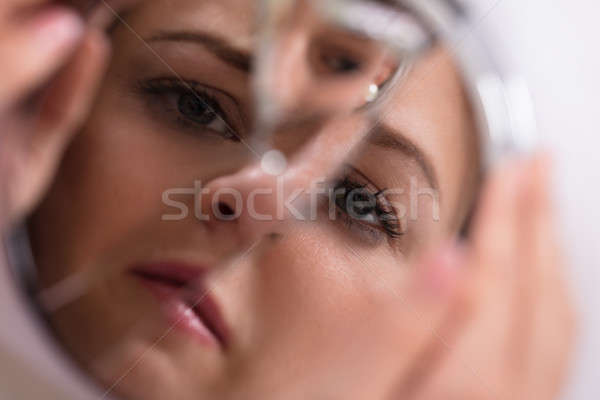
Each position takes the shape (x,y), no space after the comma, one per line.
(369,331)
(341,289)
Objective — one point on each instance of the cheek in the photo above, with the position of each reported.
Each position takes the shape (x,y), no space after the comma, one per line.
(103,189)
(111,182)
(324,272)
(324,308)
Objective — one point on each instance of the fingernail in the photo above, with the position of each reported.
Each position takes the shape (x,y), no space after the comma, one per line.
(59,28)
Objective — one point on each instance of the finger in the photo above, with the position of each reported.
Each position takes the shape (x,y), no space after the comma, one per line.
(472,365)
(551,321)
(105,14)
(35,50)
(495,223)
(102,13)
(65,107)
(496,263)
(498,279)
(71,95)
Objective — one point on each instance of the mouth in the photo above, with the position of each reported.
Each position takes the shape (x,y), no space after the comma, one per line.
(184,299)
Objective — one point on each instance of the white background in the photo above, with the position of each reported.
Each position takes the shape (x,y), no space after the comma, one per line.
(555,45)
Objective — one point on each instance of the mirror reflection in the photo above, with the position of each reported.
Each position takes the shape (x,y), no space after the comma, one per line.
(240,213)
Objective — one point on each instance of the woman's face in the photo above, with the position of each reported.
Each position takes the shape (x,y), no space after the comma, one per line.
(314,310)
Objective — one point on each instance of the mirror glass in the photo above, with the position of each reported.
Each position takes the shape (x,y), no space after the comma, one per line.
(241,214)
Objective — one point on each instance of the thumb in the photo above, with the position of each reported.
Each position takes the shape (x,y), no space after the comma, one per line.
(64,109)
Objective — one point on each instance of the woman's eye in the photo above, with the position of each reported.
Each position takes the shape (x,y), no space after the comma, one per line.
(193,109)
(340,64)
(360,205)
(335,60)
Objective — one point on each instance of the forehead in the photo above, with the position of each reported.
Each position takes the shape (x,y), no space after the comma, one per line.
(235,20)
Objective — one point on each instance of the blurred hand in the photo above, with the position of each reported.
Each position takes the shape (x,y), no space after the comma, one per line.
(52,63)
(503,320)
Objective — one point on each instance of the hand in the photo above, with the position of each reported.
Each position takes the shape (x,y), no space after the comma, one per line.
(503,320)
(52,63)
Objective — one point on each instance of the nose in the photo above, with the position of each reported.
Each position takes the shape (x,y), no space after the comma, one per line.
(259,200)
(284,74)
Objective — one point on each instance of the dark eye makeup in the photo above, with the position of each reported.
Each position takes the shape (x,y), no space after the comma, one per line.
(362,205)
(339,63)
(191,106)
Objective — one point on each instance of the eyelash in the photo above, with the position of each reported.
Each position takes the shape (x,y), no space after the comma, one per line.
(386,217)
(161,89)
(340,64)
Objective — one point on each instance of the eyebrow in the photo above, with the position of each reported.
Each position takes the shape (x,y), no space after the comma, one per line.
(388,138)
(219,46)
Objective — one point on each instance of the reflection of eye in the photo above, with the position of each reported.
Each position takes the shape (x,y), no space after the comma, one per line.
(336,59)
(194,107)
(360,204)
(340,64)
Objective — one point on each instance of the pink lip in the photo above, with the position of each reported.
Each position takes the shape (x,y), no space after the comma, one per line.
(184,299)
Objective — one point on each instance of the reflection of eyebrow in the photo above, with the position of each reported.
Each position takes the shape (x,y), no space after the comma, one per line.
(385,137)
(219,46)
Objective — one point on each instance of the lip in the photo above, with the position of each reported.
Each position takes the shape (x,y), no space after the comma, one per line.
(184,299)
